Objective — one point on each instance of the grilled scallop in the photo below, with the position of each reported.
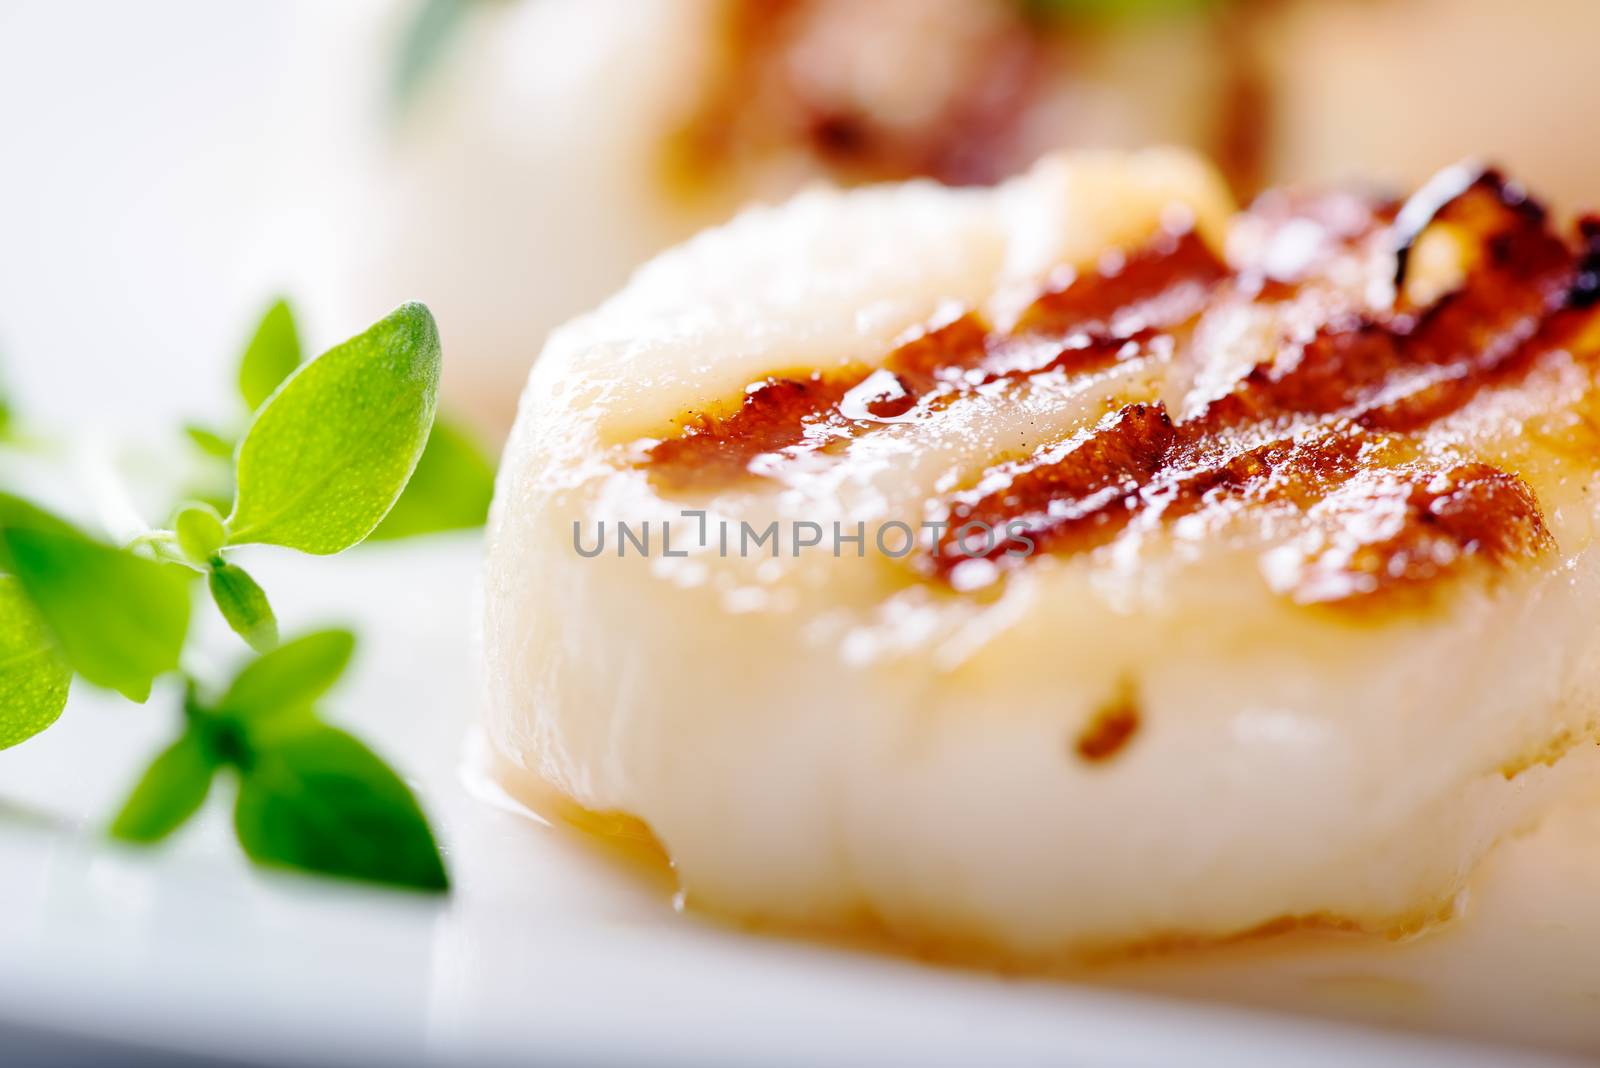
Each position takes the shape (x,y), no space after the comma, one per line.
(1069,565)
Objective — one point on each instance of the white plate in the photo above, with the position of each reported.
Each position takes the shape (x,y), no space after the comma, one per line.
(547,950)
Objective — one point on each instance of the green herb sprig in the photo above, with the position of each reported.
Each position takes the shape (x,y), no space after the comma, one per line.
(310,796)
(328,454)
(449,489)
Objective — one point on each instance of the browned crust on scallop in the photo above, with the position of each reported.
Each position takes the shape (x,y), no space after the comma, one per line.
(777,413)
(1160,284)
(1079,324)
(1332,427)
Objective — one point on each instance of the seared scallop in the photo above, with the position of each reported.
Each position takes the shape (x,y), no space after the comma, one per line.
(1070,565)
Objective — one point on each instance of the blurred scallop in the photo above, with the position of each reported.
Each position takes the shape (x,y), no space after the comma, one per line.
(556,144)
(538,150)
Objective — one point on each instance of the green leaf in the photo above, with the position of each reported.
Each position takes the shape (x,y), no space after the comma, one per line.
(209,441)
(199,531)
(290,677)
(330,452)
(271,356)
(321,801)
(244,605)
(118,618)
(33,678)
(425,43)
(450,489)
(171,790)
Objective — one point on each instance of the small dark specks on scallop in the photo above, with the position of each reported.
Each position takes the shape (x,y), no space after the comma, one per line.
(1110,730)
